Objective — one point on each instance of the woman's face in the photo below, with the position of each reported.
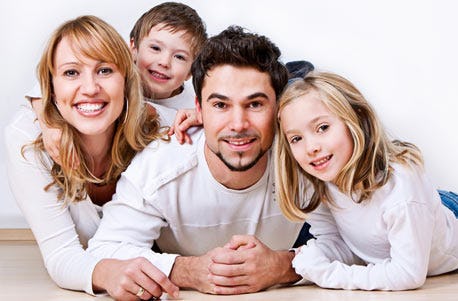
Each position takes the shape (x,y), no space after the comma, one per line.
(89,94)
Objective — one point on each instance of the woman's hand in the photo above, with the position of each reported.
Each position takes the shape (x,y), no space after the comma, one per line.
(131,279)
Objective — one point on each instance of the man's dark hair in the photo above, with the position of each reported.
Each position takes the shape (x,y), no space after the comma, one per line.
(234,46)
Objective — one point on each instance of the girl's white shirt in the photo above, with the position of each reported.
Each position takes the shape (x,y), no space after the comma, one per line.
(390,242)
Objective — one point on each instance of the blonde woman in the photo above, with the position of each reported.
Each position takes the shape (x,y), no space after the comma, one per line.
(378,221)
(92,93)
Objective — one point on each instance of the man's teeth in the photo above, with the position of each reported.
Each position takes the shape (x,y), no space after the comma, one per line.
(238,142)
(89,107)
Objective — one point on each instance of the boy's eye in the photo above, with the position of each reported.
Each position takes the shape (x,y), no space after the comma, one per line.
(70,73)
(180,57)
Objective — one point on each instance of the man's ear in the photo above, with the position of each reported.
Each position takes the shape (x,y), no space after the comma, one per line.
(198,107)
(133,50)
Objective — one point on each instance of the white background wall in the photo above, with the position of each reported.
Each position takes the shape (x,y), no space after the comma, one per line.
(402,54)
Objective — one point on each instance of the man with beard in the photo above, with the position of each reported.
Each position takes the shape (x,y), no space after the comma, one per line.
(210,206)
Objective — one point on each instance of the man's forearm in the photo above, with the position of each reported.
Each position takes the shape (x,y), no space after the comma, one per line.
(287,274)
(183,274)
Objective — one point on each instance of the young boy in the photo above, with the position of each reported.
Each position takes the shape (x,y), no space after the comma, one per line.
(164,42)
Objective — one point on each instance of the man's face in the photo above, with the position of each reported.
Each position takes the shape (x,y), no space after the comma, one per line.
(238,114)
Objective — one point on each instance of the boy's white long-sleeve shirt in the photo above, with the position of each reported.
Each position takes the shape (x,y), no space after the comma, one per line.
(168,196)
(390,242)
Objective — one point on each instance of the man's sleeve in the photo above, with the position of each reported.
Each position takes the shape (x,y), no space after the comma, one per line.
(129,226)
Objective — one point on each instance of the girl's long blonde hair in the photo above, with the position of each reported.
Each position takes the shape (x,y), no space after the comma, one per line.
(369,167)
(134,128)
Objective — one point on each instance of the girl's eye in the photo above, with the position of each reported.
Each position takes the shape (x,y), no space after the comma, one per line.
(294,139)
(105,71)
(155,48)
(71,73)
(323,128)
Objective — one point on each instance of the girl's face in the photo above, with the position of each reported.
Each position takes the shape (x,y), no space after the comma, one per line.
(89,94)
(320,141)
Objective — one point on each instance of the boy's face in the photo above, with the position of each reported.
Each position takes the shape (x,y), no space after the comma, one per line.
(164,60)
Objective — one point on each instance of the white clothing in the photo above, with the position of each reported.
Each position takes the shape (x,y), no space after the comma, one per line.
(180,206)
(61,231)
(390,242)
(168,107)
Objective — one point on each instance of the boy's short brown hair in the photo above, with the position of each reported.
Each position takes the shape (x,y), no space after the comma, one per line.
(175,17)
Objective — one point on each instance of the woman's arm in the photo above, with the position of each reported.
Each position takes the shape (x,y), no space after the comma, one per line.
(51,222)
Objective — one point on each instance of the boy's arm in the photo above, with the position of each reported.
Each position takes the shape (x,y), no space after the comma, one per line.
(51,136)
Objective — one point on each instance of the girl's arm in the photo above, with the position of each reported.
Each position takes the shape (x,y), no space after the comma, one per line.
(51,222)
(406,267)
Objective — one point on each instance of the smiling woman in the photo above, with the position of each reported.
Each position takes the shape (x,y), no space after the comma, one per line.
(92,93)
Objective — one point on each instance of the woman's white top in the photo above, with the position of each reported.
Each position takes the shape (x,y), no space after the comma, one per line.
(61,231)
(390,242)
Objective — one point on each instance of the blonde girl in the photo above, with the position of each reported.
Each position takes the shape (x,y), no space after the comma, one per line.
(378,221)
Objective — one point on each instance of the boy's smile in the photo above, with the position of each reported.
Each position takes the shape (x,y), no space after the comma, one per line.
(164,61)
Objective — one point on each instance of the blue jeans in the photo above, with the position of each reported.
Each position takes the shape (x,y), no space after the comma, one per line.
(450,200)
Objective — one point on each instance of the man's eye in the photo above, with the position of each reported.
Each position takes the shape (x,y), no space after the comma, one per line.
(255,104)
(219,105)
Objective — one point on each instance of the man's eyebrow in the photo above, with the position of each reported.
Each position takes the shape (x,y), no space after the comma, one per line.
(218,96)
(249,97)
(257,95)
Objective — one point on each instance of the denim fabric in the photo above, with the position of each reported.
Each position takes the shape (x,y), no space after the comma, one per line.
(450,200)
